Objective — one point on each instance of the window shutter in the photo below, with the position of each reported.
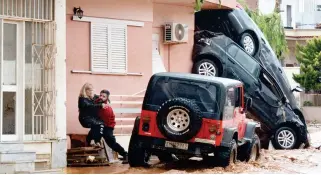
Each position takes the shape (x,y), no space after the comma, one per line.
(99,47)
(108,48)
(118,48)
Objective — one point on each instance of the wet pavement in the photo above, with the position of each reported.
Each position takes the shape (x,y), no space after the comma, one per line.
(271,161)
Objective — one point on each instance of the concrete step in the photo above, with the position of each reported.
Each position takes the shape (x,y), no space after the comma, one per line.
(13,156)
(41,164)
(42,161)
(47,171)
(11,147)
(12,167)
(7,169)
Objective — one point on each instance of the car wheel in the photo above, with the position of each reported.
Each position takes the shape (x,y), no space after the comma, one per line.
(285,138)
(206,67)
(137,155)
(248,44)
(250,151)
(226,155)
(179,119)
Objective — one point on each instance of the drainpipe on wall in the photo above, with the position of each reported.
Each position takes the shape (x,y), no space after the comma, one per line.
(169,58)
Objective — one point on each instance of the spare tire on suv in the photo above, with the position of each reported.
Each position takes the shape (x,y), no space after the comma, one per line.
(179,119)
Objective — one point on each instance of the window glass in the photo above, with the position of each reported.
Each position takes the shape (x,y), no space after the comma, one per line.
(229,104)
(205,96)
(237,97)
(245,60)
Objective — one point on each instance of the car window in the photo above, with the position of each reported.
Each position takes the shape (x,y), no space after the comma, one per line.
(245,60)
(230,73)
(238,97)
(204,95)
(269,83)
(229,104)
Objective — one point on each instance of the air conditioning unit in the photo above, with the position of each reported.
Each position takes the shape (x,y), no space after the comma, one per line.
(175,33)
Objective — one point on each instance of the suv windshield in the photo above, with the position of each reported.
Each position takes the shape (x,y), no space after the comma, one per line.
(202,93)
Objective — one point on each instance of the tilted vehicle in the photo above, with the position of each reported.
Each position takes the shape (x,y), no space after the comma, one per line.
(188,115)
(237,25)
(270,107)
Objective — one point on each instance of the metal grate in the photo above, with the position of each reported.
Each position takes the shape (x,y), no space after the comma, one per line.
(168,32)
(43,81)
(29,9)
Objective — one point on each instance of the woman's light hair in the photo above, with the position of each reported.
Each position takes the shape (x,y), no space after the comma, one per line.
(85,87)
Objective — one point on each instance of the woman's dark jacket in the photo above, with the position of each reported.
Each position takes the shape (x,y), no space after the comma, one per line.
(88,112)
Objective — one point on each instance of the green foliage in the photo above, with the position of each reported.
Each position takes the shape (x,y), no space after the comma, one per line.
(199,3)
(271,26)
(309,57)
(307,103)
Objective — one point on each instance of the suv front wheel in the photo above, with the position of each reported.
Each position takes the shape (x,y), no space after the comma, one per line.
(250,151)
(226,155)
(206,67)
(285,138)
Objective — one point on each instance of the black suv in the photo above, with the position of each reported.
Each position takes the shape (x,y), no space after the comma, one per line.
(270,105)
(237,25)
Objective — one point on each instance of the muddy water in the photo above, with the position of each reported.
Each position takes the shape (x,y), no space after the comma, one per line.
(271,161)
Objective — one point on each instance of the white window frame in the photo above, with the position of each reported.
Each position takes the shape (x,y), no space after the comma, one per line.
(109,68)
(18,88)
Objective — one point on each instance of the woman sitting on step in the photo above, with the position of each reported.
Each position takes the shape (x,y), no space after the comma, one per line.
(88,114)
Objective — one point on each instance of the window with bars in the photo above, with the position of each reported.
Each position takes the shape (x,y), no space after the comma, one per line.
(29,9)
(108,48)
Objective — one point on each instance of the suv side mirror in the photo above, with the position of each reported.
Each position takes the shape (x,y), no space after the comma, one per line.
(297,89)
(248,104)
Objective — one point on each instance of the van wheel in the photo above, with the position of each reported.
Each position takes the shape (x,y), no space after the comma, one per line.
(137,155)
(250,151)
(206,67)
(248,43)
(285,138)
(226,155)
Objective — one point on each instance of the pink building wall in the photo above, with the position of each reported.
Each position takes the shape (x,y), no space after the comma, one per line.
(177,58)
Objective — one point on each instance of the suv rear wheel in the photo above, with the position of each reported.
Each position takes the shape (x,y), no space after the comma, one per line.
(137,155)
(206,67)
(179,119)
(226,155)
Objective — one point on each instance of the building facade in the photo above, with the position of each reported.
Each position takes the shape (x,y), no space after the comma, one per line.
(119,46)
(33,87)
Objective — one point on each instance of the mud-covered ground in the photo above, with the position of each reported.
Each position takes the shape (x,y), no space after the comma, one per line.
(271,161)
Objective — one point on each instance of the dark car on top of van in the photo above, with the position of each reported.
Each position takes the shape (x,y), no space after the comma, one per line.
(270,105)
(237,25)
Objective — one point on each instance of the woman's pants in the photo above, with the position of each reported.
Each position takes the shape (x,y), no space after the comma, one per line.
(96,128)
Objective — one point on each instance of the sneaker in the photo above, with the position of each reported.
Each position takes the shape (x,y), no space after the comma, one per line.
(98,145)
(92,143)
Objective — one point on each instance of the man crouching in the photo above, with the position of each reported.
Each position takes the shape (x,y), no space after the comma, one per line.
(108,116)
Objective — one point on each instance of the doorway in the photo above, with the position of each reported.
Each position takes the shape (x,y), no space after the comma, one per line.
(11,79)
